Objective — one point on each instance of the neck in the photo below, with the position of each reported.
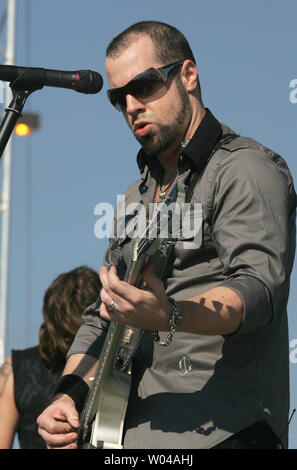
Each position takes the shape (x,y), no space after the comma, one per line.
(169,159)
(169,163)
(197,116)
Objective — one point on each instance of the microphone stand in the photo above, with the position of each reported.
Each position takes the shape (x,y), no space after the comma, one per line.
(21,88)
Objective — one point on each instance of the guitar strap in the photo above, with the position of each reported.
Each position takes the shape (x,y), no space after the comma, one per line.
(132,336)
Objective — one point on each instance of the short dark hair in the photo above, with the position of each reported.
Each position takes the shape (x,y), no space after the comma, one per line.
(63,304)
(169,43)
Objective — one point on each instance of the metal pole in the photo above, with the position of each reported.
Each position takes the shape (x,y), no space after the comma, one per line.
(6,191)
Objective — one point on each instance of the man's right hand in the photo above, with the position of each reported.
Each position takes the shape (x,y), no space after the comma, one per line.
(58,424)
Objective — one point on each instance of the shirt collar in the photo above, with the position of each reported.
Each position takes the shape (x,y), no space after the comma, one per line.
(198,149)
(201,144)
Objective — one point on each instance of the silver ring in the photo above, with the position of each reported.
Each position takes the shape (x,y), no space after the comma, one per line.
(112,306)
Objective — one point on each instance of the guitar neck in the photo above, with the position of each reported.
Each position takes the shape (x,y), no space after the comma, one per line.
(109,394)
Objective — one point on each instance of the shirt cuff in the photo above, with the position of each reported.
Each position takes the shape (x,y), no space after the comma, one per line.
(87,341)
(257,307)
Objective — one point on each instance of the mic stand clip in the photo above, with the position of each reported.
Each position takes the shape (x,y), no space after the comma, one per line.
(20,92)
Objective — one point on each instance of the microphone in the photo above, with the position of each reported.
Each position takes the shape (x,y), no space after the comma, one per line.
(28,78)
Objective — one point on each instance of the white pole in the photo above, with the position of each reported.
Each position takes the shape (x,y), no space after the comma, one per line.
(6,191)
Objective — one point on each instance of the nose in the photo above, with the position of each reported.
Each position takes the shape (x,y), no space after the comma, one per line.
(133,105)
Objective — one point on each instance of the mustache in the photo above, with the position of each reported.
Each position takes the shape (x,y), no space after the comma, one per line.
(141,117)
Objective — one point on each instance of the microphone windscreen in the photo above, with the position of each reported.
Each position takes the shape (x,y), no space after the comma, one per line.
(89,81)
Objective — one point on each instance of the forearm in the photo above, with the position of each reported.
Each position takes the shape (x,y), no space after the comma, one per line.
(76,380)
(82,365)
(216,312)
(8,411)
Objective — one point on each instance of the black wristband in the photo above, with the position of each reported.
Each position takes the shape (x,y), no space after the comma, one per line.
(75,387)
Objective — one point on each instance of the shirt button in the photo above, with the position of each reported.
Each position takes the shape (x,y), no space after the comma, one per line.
(143,188)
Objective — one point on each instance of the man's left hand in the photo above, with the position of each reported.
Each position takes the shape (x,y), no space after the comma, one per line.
(147,308)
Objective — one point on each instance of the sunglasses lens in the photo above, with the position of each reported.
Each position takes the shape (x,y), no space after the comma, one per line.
(145,85)
(115,98)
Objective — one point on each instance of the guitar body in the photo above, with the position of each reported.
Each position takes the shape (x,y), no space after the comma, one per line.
(110,416)
(103,417)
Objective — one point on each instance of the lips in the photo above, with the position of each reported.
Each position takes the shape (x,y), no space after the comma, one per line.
(141,128)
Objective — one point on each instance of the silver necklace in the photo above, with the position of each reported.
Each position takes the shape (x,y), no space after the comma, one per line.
(163,192)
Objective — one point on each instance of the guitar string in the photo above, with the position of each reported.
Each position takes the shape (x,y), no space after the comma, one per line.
(142,239)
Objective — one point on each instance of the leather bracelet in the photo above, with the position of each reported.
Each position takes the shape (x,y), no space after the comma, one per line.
(174,323)
(75,387)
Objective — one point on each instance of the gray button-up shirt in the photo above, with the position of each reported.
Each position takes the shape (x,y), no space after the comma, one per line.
(201,389)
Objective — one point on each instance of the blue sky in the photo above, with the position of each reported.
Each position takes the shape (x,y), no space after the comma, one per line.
(83,152)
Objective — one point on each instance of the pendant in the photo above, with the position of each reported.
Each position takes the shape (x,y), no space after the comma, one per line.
(162,194)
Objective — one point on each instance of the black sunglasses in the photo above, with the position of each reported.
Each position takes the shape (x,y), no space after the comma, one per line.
(144,85)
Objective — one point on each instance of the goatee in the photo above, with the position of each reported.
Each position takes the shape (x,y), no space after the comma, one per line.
(158,143)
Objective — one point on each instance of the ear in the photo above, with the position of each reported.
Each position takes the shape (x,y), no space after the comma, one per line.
(189,75)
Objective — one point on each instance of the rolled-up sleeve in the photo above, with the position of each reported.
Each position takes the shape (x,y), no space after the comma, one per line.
(90,336)
(253,219)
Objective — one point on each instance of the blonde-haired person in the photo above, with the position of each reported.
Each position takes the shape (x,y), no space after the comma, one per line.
(28,377)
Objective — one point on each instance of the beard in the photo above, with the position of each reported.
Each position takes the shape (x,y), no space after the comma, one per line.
(168,135)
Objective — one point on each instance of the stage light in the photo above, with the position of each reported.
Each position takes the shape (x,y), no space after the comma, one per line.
(22,129)
(26,124)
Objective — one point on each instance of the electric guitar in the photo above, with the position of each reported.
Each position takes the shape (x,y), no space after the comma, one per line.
(103,416)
